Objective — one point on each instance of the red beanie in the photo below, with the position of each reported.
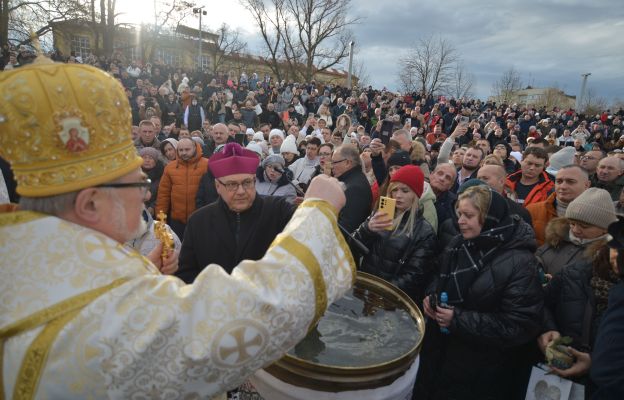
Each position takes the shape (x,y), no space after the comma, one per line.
(411,176)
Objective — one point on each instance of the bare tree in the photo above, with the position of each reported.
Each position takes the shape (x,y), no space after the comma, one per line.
(18,18)
(553,97)
(303,37)
(270,22)
(507,86)
(593,103)
(168,14)
(228,45)
(428,66)
(361,73)
(462,81)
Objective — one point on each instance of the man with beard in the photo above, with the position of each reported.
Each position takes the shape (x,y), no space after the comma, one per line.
(179,184)
(532,184)
(470,166)
(240,225)
(75,299)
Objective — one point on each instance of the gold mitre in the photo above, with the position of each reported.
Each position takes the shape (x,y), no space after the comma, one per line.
(64,127)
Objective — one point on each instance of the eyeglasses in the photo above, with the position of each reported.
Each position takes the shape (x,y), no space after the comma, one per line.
(325,154)
(588,158)
(144,185)
(338,161)
(233,186)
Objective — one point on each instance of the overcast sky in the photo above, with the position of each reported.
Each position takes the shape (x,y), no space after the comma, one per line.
(550,42)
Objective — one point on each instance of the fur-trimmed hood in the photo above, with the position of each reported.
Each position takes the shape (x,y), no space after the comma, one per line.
(558,232)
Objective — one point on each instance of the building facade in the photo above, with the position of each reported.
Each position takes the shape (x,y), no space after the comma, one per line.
(179,49)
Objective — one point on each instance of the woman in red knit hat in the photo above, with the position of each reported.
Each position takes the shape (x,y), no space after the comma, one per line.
(402,250)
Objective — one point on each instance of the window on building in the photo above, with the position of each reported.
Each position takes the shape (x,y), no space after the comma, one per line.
(131,52)
(81,46)
(205,61)
(168,56)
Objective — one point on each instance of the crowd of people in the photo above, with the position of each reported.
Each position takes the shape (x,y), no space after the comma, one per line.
(505,208)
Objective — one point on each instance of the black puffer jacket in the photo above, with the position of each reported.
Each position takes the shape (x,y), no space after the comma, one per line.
(569,300)
(485,354)
(504,304)
(386,252)
(568,297)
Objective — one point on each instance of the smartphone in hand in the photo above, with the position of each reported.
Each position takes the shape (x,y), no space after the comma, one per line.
(387,205)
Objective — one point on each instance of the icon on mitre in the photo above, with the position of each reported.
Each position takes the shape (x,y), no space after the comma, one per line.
(74,136)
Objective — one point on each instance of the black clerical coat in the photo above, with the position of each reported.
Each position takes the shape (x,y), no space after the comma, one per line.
(215,234)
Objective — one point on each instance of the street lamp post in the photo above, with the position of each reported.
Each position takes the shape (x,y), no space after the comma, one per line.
(349,85)
(579,101)
(200,11)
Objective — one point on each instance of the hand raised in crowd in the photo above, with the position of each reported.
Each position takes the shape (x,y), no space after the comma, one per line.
(328,189)
(168,265)
(460,130)
(376,146)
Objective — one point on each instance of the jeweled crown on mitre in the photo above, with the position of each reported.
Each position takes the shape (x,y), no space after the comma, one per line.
(64,127)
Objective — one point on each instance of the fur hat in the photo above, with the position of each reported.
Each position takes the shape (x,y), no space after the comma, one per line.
(594,207)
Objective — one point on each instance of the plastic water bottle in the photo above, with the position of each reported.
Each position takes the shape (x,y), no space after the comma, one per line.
(444,304)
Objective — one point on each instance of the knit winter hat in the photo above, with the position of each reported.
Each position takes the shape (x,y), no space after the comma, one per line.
(400,158)
(594,207)
(258,136)
(411,176)
(274,159)
(255,147)
(275,132)
(289,145)
(561,159)
(150,151)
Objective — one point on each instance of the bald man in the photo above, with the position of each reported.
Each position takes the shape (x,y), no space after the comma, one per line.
(219,135)
(494,176)
(610,176)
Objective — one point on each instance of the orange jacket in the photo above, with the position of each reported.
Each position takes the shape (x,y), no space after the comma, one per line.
(541,214)
(540,191)
(178,186)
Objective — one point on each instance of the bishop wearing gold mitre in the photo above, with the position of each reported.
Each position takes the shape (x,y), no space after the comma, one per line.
(82,316)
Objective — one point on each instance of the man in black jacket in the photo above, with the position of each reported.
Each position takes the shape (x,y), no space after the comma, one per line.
(240,225)
(346,166)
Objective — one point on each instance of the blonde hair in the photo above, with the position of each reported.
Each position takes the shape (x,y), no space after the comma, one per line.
(408,228)
(480,197)
(493,159)
(418,151)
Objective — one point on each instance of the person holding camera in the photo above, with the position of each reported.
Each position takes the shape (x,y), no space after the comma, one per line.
(494,305)
(401,250)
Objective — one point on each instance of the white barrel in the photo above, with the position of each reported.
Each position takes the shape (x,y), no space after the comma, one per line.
(272,388)
(365,347)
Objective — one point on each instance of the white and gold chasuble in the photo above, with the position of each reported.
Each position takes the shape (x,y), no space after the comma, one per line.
(102,322)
